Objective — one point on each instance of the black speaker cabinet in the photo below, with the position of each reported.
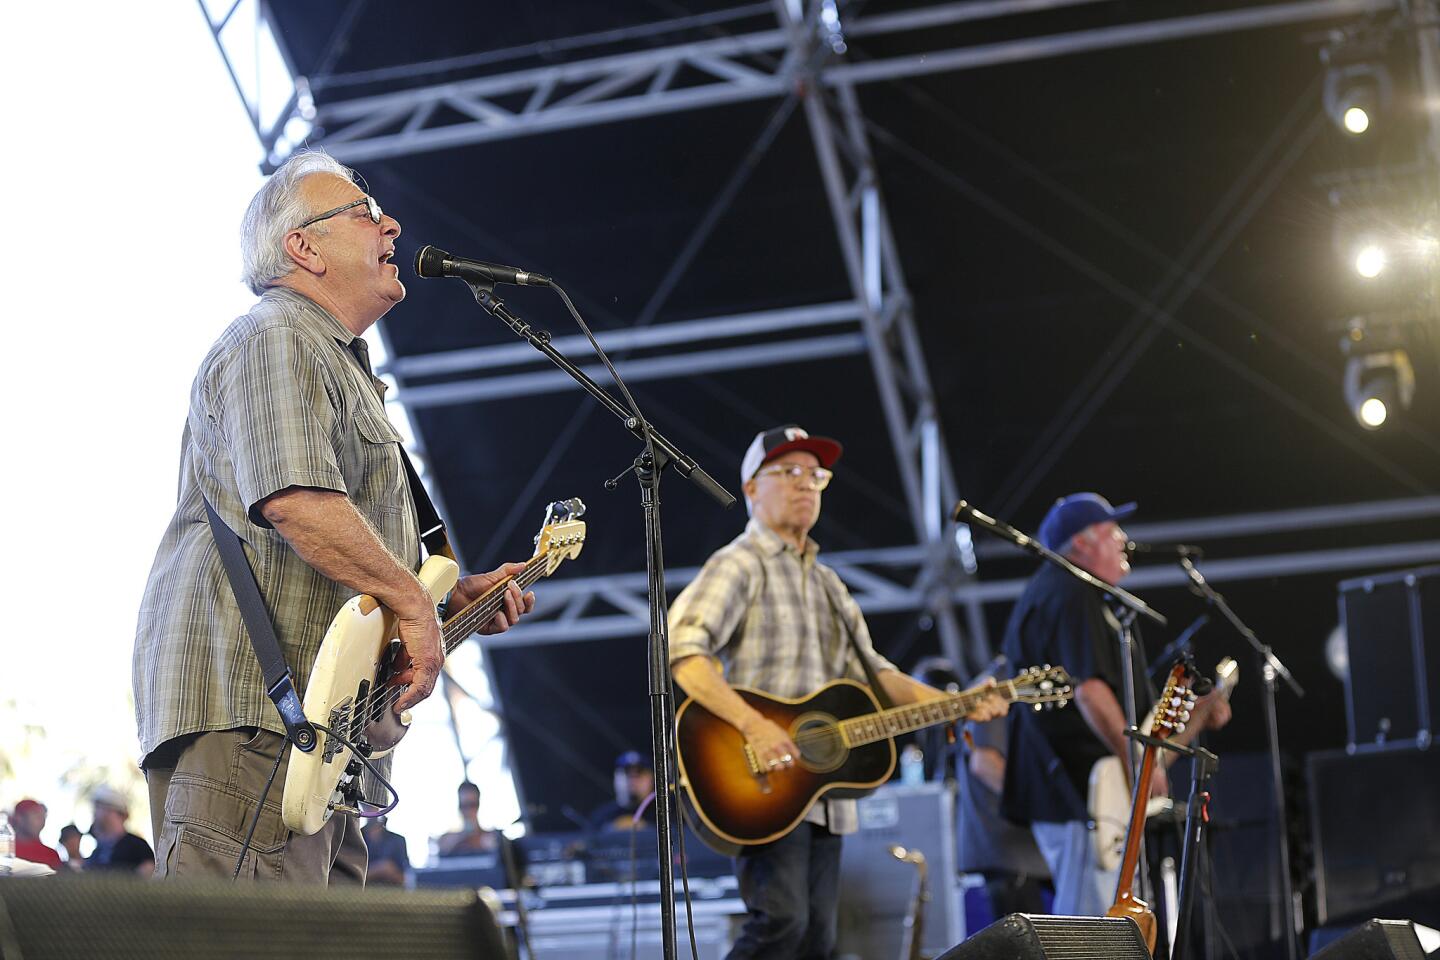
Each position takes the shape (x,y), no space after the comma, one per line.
(1376,940)
(125,918)
(1024,936)
(1392,630)
(1377,848)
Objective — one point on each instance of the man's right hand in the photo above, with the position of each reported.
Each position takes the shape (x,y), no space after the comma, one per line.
(421,659)
(773,748)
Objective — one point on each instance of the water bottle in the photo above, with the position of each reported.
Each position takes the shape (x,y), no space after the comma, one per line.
(912,765)
(7,844)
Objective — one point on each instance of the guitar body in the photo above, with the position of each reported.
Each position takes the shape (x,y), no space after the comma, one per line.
(353,660)
(735,804)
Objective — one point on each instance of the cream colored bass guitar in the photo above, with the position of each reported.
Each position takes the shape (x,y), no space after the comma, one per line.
(349,689)
(1109,795)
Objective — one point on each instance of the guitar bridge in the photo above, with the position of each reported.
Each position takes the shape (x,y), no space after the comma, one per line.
(339,720)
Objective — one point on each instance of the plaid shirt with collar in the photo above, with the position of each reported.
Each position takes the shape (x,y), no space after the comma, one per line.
(776,620)
(285,398)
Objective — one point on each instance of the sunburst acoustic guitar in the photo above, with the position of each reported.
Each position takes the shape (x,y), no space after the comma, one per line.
(847,748)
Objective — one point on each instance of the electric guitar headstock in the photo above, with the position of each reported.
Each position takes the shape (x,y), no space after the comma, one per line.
(562,535)
(1045,687)
(1172,710)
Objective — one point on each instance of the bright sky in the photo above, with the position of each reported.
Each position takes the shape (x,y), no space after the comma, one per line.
(128,166)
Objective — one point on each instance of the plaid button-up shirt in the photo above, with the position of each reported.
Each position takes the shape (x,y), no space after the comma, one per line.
(776,620)
(285,398)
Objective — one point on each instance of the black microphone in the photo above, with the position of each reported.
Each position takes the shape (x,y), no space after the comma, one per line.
(431,262)
(1165,549)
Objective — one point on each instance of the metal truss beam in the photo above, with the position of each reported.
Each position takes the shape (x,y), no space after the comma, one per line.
(735,69)
(599,608)
(877,280)
(633,371)
(887,579)
(706,330)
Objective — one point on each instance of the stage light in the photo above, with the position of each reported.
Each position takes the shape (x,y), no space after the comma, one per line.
(1370,261)
(1378,385)
(1373,412)
(1357,88)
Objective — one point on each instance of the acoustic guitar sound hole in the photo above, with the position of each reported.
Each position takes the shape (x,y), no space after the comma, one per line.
(818,737)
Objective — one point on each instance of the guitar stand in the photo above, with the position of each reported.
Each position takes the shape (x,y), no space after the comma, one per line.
(1203,765)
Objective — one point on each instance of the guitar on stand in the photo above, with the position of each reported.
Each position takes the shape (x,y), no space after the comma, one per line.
(1172,712)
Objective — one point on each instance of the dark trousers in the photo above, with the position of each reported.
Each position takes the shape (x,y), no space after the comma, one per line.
(792,889)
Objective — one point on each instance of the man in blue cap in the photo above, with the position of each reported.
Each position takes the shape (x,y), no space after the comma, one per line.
(1062,621)
(634,787)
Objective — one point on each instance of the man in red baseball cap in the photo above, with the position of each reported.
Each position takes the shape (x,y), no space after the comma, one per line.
(28,820)
(764,613)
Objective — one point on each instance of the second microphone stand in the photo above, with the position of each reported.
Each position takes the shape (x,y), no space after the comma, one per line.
(1270,670)
(657,454)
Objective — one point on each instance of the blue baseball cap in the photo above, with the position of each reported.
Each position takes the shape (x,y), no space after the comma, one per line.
(632,758)
(1074,513)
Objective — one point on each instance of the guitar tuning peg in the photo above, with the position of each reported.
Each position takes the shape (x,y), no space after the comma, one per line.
(1179,728)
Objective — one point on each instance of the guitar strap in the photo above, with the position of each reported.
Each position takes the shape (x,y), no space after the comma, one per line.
(870,675)
(279,683)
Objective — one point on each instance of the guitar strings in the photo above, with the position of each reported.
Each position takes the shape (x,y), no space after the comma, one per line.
(459,628)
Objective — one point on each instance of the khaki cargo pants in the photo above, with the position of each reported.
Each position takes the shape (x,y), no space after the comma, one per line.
(203,791)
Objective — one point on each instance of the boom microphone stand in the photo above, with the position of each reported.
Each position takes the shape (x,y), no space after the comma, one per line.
(657,454)
(1270,668)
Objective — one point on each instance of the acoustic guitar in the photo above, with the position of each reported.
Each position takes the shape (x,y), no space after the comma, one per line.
(846,750)
(1172,711)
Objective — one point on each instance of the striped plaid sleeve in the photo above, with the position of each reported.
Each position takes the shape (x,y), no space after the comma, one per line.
(277,418)
(709,611)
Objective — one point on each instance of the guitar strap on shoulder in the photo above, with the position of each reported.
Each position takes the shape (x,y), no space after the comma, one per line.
(279,682)
(870,675)
(432,528)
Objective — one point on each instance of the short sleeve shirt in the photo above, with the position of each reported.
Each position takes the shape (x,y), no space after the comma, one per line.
(1060,621)
(285,398)
(776,620)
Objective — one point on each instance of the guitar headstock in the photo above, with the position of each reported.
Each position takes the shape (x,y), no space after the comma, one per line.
(562,534)
(1172,710)
(1045,686)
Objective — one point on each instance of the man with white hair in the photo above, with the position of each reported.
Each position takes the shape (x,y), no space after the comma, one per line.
(288,440)
(1060,620)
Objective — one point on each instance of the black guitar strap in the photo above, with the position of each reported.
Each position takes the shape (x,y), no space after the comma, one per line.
(279,682)
(870,675)
(432,528)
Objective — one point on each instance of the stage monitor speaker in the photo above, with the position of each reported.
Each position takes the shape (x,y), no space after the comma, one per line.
(1024,936)
(1376,850)
(125,918)
(1376,940)
(1392,629)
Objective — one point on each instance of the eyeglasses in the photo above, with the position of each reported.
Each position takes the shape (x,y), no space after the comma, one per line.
(819,477)
(374,209)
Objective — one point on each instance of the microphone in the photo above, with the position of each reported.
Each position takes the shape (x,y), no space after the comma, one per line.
(1165,549)
(431,262)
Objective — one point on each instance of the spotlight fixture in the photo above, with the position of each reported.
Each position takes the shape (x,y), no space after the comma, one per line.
(1378,385)
(1357,88)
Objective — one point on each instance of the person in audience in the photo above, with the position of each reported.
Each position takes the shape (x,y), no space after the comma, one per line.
(389,857)
(634,790)
(28,819)
(115,847)
(471,838)
(70,837)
